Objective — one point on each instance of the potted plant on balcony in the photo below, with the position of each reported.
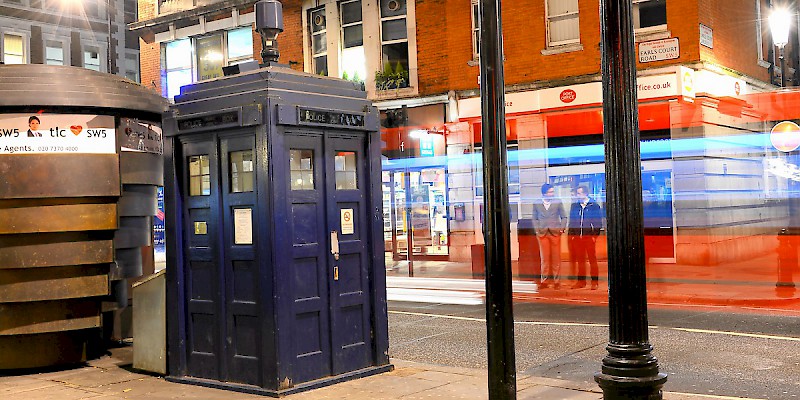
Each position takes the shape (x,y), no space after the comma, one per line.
(391,78)
(355,79)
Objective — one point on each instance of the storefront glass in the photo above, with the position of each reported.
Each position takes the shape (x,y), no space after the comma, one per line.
(719,193)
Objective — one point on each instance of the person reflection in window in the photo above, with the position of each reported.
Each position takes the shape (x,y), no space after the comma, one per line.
(33,127)
(585,222)
(550,221)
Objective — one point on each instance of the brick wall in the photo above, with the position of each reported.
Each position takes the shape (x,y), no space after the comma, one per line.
(150,65)
(290,42)
(735,42)
(445,42)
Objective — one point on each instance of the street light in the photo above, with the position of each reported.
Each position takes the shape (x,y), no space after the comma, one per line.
(780,21)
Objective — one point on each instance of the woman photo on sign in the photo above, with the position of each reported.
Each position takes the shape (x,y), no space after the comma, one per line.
(33,127)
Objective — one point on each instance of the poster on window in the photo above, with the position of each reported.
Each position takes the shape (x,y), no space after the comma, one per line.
(57,133)
(421,214)
(209,57)
(140,136)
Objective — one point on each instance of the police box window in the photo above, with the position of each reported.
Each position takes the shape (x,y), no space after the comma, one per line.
(199,176)
(241,170)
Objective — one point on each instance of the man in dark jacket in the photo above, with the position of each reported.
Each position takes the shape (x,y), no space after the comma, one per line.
(585,221)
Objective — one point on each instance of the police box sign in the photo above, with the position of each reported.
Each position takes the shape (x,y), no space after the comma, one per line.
(659,50)
(57,133)
(315,117)
(216,120)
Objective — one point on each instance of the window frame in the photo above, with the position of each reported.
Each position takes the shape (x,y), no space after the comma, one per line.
(475,22)
(312,35)
(226,48)
(165,71)
(564,16)
(54,44)
(405,40)
(636,18)
(342,47)
(90,49)
(23,39)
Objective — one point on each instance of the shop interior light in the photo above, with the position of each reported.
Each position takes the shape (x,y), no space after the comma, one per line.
(418,133)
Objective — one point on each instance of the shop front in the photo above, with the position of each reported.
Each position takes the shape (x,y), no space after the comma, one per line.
(715,189)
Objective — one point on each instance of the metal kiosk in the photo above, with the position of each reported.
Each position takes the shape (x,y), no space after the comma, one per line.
(275,278)
(80,160)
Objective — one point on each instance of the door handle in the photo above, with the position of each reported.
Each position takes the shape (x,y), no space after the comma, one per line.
(335,245)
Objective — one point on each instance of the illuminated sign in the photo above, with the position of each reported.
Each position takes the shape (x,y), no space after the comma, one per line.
(57,133)
(785,136)
(568,96)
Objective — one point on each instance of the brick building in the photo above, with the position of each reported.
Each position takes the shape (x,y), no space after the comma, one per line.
(92,34)
(699,60)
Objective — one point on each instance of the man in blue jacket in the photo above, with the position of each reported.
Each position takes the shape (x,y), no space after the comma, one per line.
(585,222)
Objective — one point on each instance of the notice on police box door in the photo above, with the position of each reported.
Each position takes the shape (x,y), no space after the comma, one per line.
(41,133)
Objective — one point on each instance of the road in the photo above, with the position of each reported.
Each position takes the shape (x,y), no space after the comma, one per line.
(703,352)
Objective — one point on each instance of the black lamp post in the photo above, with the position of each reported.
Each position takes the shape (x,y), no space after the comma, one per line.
(780,22)
(497,252)
(629,370)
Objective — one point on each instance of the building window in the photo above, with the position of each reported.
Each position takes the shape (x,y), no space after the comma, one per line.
(476,30)
(319,40)
(394,46)
(562,22)
(132,67)
(240,45)
(54,53)
(91,59)
(206,54)
(649,14)
(353,60)
(13,49)
(177,65)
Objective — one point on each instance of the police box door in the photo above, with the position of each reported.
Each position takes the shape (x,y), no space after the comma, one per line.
(327,250)
(221,271)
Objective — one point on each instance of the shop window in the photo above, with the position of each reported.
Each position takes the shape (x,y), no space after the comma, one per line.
(199,176)
(562,22)
(346,170)
(54,53)
(241,171)
(353,60)
(210,58)
(513,172)
(319,40)
(649,14)
(301,167)
(177,66)
(91,59)
(13,49)
(394,46)
(476,30)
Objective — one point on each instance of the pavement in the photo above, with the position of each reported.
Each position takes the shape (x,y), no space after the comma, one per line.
(748,285)
(112,377)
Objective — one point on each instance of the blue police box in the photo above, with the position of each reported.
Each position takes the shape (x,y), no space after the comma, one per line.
(275,260)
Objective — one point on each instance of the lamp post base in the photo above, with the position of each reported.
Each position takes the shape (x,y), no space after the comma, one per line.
(630,372)
(616,388)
